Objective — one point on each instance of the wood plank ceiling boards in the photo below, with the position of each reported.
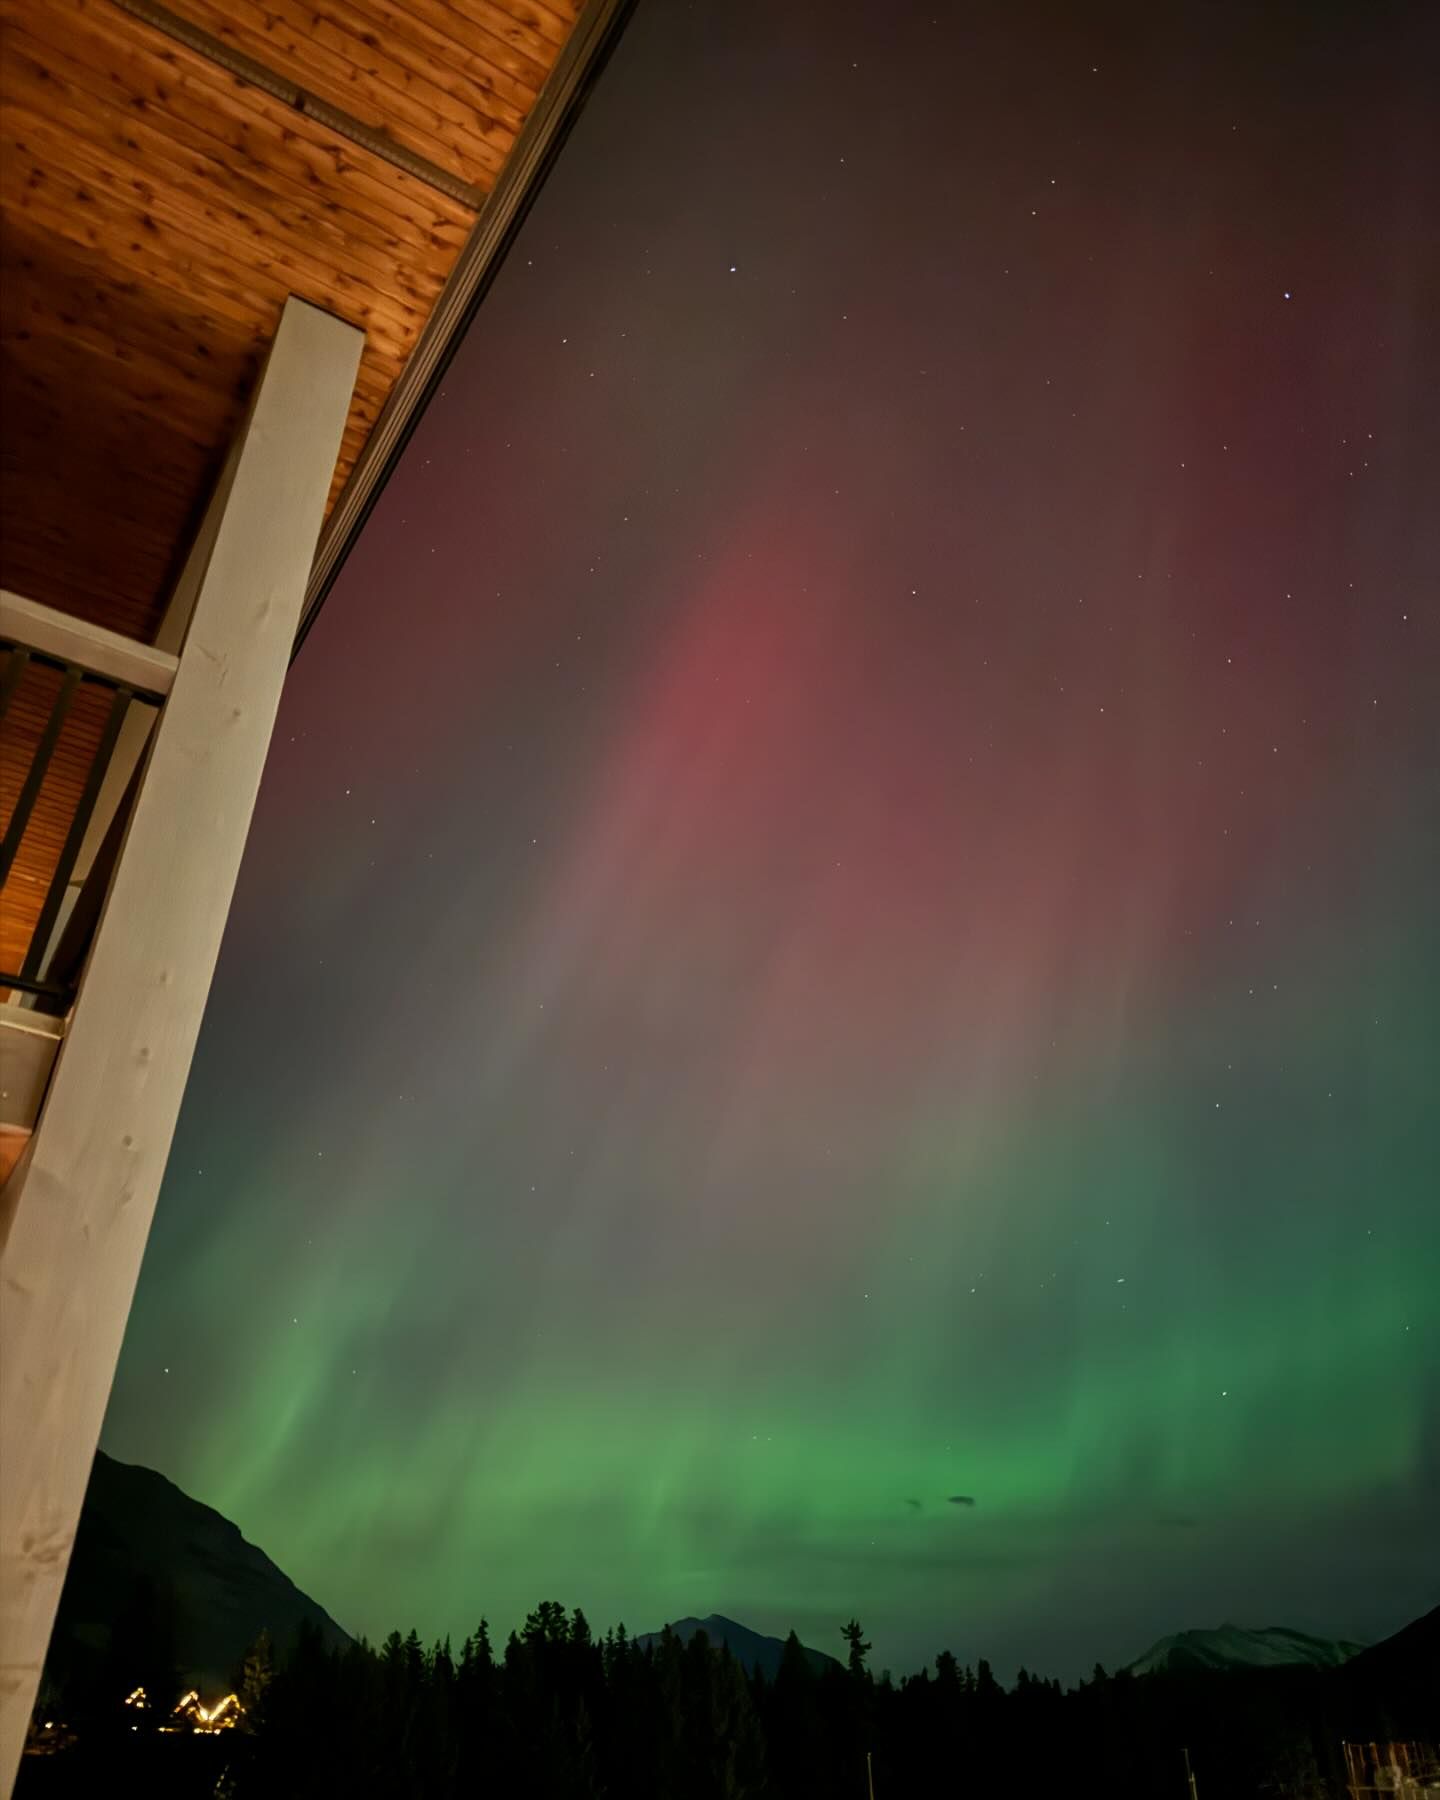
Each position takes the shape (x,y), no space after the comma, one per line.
(168,175)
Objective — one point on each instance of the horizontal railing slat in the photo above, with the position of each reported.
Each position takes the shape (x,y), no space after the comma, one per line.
(99,652)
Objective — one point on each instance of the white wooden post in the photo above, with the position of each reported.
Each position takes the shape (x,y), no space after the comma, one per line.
(75,1215)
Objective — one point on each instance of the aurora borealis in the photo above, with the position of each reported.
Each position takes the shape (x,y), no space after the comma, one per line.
(842,919)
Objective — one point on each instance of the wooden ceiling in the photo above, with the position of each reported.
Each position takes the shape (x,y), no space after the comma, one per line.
(169,174)
(156,208)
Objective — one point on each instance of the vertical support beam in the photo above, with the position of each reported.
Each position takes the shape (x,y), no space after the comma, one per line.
(75,1215)
(171,635)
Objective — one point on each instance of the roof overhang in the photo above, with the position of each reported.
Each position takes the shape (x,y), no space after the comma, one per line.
(171,171)
(548,125)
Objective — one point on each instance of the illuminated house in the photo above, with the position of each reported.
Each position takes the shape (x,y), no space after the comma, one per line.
(238,245)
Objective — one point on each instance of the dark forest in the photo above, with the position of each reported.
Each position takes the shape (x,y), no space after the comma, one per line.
(561,1713)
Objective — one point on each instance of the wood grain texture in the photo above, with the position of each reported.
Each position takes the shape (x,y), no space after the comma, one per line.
(39,852)
(155,214)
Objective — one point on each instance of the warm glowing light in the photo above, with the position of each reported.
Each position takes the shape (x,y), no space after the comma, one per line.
(207,1721)
(190,1709)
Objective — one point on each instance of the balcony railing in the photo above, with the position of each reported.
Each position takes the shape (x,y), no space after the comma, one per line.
(66,691)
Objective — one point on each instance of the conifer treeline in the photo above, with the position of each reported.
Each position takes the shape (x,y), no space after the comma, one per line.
(560,1714)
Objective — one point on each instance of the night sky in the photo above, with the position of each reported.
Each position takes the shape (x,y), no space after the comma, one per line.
(834,1005)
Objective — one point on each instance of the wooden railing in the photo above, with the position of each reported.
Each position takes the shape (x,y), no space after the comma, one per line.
(129,680)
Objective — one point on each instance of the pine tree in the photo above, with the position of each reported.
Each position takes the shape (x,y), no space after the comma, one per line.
(257,1671)
(859,1649)
(548,1624)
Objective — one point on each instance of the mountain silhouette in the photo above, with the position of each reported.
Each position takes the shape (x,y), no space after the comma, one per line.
(1403,1673)
(1236,1647)
(749,1648)
(137,1529)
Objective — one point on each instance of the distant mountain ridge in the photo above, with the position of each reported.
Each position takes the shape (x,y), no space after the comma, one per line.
(1239,1647)
(1404,1669)
(751,1649)
(137,1527)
